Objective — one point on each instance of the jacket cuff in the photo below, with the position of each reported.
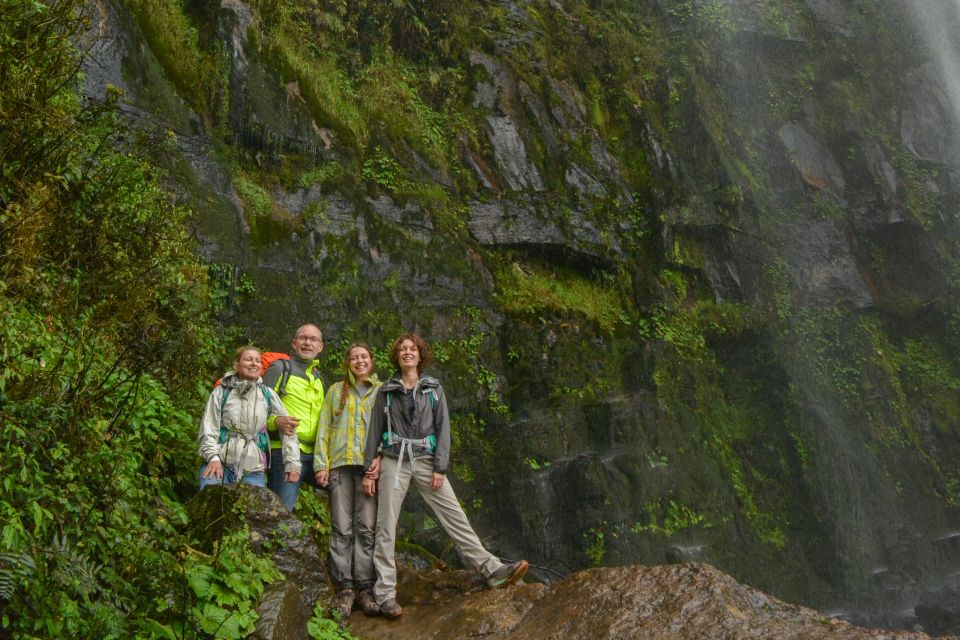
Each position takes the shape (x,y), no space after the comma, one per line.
(272,423)
(291,467)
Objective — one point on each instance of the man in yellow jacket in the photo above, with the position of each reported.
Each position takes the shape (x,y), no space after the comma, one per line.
(299,385)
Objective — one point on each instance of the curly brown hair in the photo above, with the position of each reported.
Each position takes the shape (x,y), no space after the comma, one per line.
(345,390)
(423,347)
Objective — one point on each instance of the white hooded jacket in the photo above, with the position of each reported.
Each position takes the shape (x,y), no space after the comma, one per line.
(244,417)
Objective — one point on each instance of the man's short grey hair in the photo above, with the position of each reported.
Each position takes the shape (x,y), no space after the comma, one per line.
(309,324)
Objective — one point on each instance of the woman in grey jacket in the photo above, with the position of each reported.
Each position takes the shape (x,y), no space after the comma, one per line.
(233,432)
(411,428)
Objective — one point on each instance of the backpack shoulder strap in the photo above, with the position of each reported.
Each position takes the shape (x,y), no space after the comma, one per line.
(224,394)
(287,368)
(266,396)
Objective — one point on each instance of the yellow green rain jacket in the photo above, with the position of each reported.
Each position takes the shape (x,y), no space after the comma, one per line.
(303,399)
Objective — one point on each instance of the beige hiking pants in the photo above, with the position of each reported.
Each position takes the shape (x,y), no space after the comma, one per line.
(445,506)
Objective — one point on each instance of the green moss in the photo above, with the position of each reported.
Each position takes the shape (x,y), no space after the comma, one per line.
(256,200)
(176,43)
(530,291)
(668,518)
(326,176)
(392,103)
(267,226)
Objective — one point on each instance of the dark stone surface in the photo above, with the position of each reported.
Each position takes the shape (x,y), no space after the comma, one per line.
(686,601)
(939,611)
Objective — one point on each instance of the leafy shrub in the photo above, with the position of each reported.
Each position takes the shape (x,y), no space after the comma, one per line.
(104,338)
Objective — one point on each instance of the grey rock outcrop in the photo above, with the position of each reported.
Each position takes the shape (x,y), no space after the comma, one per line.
(672,602)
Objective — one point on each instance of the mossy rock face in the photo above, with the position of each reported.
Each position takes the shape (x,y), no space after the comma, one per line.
(683,263)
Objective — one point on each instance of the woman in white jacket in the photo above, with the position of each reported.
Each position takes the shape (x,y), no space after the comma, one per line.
(233,433)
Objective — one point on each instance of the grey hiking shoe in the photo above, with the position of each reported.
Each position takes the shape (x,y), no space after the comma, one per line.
(345,602)
(391,609)
(507,574)
(368,603)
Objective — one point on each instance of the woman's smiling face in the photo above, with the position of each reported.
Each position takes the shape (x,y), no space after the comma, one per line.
(247,365)
(408,355)
(360,362)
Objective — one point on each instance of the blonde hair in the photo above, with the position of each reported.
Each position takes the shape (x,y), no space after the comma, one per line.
(242,350)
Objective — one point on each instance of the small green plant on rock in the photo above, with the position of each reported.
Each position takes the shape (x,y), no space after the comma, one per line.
(670,521)
(327,625)
(597,547)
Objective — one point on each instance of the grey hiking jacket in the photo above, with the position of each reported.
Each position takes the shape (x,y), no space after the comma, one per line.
(429,417)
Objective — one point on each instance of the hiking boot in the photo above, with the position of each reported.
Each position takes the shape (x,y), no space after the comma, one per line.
(345,602)
(507,574)
(391,609)
(368,603)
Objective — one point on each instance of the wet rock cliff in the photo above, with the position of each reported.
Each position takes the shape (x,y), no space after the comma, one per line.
(689,267)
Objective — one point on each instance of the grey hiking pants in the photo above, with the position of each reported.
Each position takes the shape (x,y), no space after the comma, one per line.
(445,506)
(353,519)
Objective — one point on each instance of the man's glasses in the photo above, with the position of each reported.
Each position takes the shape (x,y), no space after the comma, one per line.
(309,339)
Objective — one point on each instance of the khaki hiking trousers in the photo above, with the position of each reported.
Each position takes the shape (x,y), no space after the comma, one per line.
(445,506)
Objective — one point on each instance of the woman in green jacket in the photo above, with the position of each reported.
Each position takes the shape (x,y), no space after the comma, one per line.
(338,461)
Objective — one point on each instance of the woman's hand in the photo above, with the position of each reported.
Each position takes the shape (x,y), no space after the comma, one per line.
(291,476)
(369,486)
(214,469)
(323,477)
(437,481)
(374,470)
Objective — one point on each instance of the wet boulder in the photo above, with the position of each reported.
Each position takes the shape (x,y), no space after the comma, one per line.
(939,611)
(684,601)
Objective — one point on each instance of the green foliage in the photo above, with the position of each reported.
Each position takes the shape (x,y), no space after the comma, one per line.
(466,352)
(324,625)
(230,287)
(596,545)
(324,176)
(670,519)
(534,465)
(689,379)
(686,326)
(104,337)
(91,454)
(385,172)
(531,291)
(385,93)
(701,20)
(176,44)
(314,513)
(257,201)
(228,586)
(388,90)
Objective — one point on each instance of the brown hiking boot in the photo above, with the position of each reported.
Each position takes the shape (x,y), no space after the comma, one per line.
(391,609)
(507,574)
(368,603)
(345,602)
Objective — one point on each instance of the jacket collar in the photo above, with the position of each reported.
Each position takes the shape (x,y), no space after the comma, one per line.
(423,382)
(231,380)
